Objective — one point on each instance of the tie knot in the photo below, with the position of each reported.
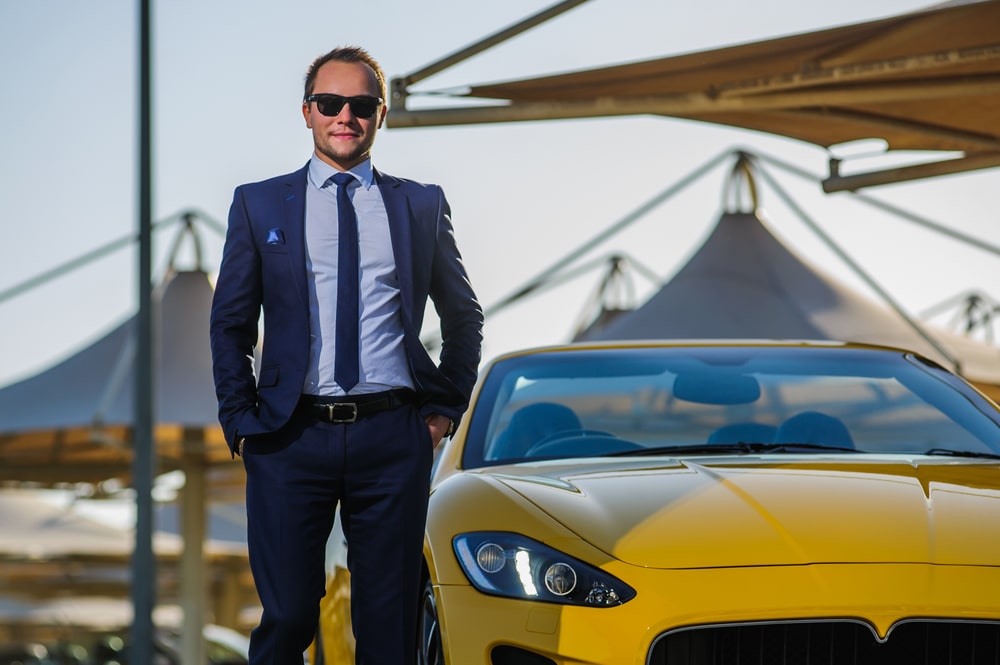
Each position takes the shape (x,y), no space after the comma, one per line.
(342,179)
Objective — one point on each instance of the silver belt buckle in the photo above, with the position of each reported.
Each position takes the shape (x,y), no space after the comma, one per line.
(335,412)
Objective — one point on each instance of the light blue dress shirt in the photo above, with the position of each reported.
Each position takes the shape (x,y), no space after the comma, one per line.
(383,359)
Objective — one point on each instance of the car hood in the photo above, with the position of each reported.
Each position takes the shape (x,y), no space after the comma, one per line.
(712,512)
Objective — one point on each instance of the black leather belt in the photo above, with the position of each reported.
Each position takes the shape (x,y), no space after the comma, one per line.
(350,408)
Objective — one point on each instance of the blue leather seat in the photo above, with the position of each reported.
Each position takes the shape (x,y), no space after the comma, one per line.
(748,432)
(814,427)
(530,424)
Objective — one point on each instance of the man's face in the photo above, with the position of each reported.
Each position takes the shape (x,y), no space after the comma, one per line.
(345,140)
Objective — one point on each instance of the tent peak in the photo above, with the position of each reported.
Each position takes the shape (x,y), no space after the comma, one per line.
(741,182)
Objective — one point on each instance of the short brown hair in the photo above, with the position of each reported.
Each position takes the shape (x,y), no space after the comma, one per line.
(344,54)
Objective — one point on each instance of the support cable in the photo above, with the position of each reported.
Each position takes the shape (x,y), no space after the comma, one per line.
(890,208)
(535,283)
(612,230)
(53,273)
(858,270)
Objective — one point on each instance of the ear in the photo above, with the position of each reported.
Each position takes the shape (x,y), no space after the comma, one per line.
(306,114)
(381,116)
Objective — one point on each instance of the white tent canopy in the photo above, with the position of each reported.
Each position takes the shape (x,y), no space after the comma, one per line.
(73,422)
(745,283)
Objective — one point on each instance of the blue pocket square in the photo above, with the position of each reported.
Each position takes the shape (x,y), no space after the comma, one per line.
(275,237)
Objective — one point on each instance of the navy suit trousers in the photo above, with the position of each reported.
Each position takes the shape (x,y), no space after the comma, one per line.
(378,470)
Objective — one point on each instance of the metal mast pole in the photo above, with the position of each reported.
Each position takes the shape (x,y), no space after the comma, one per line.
(143,564)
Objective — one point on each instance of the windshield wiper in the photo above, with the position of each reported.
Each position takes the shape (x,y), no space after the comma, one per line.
(741,447)
(961,453)
(693,449)
(792,446)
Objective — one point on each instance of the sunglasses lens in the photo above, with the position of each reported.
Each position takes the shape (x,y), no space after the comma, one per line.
(332,105)
(363,107)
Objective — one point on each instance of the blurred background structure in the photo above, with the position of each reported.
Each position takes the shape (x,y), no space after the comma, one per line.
(560,235)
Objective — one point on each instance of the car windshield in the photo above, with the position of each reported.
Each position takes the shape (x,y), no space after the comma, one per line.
(717,399)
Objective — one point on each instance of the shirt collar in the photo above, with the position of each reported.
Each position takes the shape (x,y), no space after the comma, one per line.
(320,172)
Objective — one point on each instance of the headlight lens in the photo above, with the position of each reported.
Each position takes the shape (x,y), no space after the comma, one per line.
(512,565)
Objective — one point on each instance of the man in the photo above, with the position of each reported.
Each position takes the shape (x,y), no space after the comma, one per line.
(311,435)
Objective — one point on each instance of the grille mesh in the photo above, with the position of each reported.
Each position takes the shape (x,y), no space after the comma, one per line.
(831,643)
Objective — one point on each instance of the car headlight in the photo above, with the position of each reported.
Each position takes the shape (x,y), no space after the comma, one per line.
(512,565)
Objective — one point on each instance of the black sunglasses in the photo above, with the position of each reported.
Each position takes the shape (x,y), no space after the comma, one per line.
(362,106)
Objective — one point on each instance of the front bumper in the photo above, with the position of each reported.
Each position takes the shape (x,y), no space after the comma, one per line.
(877,595)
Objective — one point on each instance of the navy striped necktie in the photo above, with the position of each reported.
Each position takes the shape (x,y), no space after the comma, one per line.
(347,350)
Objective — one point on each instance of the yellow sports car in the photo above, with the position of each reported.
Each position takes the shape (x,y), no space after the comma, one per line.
(709,503)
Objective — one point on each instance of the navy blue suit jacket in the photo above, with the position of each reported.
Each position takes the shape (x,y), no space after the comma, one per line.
(264,268)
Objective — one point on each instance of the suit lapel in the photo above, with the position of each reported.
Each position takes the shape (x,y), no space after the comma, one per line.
(398,212)
(293,195)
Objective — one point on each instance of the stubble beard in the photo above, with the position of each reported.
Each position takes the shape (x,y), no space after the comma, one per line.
(356,156)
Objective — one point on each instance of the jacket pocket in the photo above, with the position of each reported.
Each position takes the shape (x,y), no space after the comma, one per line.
(268,376)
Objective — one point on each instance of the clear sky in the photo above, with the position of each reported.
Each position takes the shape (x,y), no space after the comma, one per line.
(227,90)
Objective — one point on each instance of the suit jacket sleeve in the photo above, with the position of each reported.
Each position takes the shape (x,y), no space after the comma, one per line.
(236,307)
(459,312)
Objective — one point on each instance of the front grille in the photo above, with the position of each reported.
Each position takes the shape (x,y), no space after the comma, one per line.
(831,643)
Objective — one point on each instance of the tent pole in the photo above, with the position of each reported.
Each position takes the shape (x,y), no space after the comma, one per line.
(227,596)
(193,583)
(399,85)
(850,183)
